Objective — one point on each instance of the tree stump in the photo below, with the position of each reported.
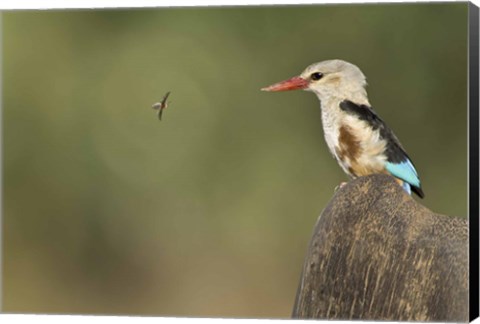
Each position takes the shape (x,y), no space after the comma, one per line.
(377,254)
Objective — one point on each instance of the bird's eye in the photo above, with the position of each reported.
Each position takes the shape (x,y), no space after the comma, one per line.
(316,76)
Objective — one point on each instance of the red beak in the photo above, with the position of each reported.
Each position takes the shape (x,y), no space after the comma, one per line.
(290,84)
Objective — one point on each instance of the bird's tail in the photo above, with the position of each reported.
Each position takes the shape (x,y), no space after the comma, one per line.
(407,188)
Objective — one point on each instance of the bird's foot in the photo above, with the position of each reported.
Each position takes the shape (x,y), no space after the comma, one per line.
(340,186)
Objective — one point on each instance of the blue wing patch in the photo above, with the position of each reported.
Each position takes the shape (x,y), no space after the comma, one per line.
(404,171)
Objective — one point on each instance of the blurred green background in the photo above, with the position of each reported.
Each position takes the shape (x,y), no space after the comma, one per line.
(208,212)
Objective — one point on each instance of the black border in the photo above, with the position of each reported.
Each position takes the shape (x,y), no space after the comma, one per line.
(474,161)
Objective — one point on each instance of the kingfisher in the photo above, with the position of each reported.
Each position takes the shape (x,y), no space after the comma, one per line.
(359,140)
(160,106)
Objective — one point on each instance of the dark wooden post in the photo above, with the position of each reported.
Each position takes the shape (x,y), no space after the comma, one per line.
(377,254)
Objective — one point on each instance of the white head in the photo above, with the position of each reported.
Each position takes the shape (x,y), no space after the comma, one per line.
(332,79)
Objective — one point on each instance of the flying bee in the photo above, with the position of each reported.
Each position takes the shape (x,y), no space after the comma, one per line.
(160,106)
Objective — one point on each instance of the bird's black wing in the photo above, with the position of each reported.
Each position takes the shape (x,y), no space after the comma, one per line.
(394,150)
(164,100)
(398,161)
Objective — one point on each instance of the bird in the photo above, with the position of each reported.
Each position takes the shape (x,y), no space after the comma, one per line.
(160,106)
(359,140)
